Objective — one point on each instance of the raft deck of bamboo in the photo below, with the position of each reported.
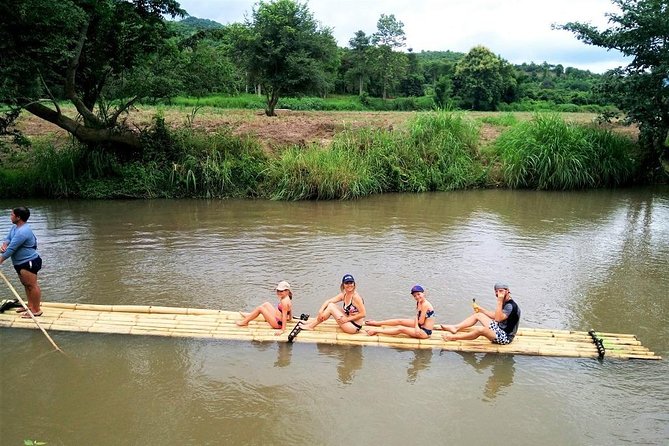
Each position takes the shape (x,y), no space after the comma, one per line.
(218,324)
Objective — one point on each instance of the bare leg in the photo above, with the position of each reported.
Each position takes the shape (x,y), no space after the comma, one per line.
(409,331)
(472,334)
(33,290)
(405,322)
(335,312)
(268,312)
(470,321)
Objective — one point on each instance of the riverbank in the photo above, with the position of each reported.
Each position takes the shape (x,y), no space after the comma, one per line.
(214,153)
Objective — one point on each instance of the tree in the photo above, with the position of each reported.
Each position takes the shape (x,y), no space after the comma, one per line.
(286,51)
(360,44)
(74,49)
(388,37)
(639,30)
(482,79)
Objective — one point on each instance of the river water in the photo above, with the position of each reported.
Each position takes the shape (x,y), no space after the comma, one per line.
(577,260)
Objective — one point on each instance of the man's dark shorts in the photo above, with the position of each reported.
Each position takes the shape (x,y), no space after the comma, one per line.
(32,266)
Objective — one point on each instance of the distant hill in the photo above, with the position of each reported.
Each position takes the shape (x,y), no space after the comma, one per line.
(199,24)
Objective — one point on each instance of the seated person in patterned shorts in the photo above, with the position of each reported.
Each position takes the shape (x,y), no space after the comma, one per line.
(500,326)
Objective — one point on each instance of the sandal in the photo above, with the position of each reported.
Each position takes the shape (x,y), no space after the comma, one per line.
(21,310)
(26,315)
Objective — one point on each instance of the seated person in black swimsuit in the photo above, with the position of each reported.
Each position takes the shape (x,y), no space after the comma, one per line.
(419,327)
(350,316)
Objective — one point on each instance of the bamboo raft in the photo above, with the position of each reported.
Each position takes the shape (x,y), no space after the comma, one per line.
(219,324)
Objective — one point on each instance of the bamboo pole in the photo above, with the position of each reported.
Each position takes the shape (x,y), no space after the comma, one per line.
(32,316)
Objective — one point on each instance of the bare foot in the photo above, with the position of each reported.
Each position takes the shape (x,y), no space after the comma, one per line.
(241,323)
(449,328)
(305,326)
(372,323)
(448,337)
(371,332)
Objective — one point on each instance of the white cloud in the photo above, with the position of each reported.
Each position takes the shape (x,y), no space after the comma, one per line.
(517,30)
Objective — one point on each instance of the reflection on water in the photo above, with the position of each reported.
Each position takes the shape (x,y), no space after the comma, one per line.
(578,260)
(421,361)
(501,371)
(349,359)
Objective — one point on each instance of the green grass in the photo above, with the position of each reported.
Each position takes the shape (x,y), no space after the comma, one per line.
(549,153)
(434,151)
(331,103)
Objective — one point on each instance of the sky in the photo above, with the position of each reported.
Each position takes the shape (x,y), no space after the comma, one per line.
(516,30)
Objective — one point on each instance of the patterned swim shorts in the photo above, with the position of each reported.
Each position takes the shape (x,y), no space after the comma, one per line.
(502,338)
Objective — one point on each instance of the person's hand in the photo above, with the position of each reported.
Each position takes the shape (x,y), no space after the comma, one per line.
(3,248)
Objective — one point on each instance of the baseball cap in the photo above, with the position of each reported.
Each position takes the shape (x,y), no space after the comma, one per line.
(347,278)
(501,286)
(283,285)
(417,289)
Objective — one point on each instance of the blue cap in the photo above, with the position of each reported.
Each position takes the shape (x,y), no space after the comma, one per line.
(417,289)
(347,278)
(501,286)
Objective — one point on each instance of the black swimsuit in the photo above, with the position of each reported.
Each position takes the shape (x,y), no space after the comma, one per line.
(350,308)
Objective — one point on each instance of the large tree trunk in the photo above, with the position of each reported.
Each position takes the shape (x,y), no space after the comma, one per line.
(360,85)
(120,138)
(272,100)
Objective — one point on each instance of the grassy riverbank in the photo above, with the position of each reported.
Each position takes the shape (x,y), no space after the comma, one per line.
(309,155)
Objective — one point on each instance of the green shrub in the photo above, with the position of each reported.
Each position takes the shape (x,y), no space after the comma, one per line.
(549,153)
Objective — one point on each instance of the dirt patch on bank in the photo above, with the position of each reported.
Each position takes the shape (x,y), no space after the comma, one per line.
(288,127)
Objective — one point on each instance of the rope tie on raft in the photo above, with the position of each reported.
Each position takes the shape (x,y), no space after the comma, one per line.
(599,343)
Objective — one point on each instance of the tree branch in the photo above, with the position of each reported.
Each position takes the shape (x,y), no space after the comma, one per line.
(70,90)
(46,87)
(121,109)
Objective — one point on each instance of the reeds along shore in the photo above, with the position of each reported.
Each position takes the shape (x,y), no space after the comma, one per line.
(434,151)
(217,324)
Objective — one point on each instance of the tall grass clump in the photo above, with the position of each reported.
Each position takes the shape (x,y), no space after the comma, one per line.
(218,165)
(549,153)
(436,153)
(312,172)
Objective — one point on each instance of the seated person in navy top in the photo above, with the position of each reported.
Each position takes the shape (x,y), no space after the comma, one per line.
(499,326)
(419,327)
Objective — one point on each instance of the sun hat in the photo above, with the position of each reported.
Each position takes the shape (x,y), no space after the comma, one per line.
(417,289)
(282,286)
(347,278)
(501,286)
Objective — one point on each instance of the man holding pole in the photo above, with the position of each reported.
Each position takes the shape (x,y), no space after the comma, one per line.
(21,245)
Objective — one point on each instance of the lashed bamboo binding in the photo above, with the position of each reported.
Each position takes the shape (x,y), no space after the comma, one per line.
(219,324)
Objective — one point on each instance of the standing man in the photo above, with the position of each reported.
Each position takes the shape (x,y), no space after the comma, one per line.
(499,326)
(21,245)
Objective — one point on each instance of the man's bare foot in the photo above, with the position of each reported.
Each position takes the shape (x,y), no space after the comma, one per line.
(449,328)
(448,337)
(305,326)
(372,323)
(241,323)
(371,332)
